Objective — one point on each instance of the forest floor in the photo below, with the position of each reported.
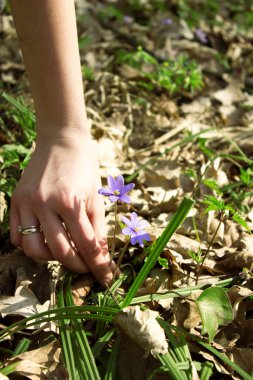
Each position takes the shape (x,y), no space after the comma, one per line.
(169,92)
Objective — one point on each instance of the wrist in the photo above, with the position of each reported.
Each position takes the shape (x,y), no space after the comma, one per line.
(64,135)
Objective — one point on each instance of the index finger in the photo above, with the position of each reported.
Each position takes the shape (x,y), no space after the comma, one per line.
(87,244)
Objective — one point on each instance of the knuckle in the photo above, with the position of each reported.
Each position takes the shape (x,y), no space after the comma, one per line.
(61,252)
(38,196)
(89,250)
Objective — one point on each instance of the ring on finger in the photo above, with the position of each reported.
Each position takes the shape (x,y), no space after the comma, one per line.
(28,230)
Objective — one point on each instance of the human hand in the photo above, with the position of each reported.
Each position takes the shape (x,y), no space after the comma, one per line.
(59,191)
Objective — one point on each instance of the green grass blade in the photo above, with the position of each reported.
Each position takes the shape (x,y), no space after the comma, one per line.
(168,362)
(22,346)
(20,107)
(11,368)
(182,292)
(107,299)
(218,354)
(95,312)
(66,341)
(157,248)
(177,348)
(207,371)
(101,342)
(112,362)
(78,334)
(226,360)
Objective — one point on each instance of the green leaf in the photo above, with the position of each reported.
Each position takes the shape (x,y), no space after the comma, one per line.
(213,204)
(240,220)
(215,310)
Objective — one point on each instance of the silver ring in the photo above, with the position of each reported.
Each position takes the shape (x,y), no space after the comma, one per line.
(29,229)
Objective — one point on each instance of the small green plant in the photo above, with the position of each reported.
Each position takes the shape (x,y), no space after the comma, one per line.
(88,73)
(172,75)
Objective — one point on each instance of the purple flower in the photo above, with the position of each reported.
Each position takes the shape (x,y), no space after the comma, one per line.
(167,21)
(135,229)
(128,19)
(116,190)
(201,36)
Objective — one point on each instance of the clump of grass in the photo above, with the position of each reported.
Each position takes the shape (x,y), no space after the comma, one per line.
(174,75)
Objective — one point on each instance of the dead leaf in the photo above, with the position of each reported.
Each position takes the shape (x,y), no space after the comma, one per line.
(23,303)
(143,328)
(41,364)
(231,94)
(185,312)
(132,363)
(228,233)
(81,287)
(159,281)
(18,267)
(242,357)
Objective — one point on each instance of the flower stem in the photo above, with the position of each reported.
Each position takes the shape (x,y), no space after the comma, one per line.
(121,258)
(115,229)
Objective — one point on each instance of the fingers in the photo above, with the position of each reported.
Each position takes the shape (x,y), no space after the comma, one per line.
(87,244)
(60,244)
(97,220)
(33,244)
(89,251)
(14,223)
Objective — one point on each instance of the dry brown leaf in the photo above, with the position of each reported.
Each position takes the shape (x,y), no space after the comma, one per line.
(132,364)
(17,267)
(242,357)
(42,363)
(242,305)
(234,262)
(81,287)
(230,95)
(143,328)
(228,233)
(23,303)
(159,281)
(185,312)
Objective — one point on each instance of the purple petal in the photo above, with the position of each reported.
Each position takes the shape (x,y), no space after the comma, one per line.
(127,231)
(140,239)
(111,183)
(113,198)
(133,216)
(126,221)
(119,182)
(104,191)
(127,188)
(128,19)
(167,21)
(202,37)
(142,224)
(124,199)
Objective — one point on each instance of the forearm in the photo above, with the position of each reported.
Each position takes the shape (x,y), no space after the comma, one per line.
(48,40)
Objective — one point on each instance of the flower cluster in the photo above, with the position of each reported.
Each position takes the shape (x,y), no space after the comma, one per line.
(135,228)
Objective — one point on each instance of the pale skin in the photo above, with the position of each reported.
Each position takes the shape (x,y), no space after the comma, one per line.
(58,189)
